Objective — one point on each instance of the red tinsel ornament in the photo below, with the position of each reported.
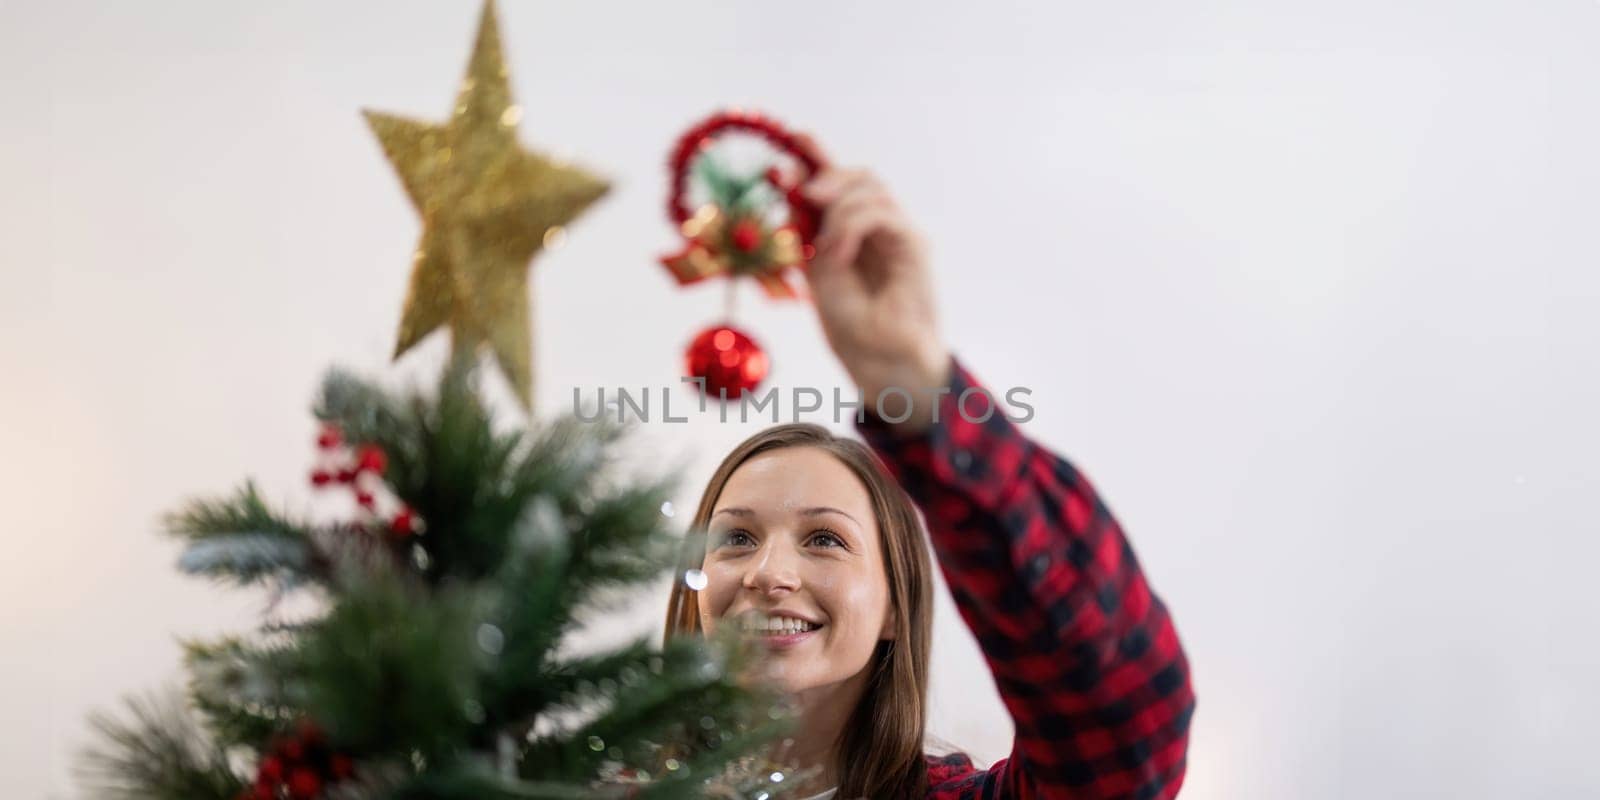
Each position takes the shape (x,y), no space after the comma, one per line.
(732,236)
(728,235)
(729,361)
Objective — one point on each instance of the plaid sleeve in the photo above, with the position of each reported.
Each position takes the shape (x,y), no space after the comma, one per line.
(1084,655)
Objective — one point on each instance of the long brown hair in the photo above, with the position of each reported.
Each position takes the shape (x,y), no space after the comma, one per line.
(879,752)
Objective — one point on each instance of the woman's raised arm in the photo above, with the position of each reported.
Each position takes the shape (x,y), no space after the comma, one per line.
(1083,653)
(1085,656)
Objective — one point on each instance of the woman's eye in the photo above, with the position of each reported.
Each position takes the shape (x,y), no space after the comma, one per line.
(737,539)
(742,538)
(827,539)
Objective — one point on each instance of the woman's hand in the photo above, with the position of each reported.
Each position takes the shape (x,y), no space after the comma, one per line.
(873,292)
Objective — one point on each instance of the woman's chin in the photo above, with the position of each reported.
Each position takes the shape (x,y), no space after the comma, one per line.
(781,674)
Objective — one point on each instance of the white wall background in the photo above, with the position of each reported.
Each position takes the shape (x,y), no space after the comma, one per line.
(1309,289)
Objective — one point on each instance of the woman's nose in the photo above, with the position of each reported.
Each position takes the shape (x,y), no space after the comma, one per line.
(773,570)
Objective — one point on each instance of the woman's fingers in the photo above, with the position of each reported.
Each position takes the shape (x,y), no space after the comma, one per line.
(838,288)
(824,191)
(860,207)
(850,222)
(826,186)
(870,284)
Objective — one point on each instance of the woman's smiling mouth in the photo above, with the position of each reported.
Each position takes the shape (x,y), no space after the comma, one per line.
(778,631)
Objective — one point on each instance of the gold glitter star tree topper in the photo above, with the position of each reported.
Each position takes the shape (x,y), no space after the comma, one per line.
(488,207)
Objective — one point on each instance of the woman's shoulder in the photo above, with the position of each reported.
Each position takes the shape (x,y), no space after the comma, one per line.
(948,768)
(955,777)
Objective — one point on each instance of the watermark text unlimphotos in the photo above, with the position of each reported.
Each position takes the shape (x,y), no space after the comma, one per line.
(893,404)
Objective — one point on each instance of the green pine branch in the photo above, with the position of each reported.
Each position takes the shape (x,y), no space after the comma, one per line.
(242,689)
(684,696)
(393,667)
(239,539)
(158,751)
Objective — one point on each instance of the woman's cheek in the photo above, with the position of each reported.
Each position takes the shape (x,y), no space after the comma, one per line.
(850,592)
(721,586)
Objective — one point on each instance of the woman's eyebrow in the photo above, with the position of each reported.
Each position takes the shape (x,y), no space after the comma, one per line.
(741,511)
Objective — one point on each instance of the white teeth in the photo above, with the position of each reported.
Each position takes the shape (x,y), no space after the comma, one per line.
(776,625)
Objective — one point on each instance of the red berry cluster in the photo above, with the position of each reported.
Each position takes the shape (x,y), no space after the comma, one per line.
(361,471)
(297,766)
(746,235)
(803,216)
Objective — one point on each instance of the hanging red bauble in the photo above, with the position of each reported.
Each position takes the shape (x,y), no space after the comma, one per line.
(728,359)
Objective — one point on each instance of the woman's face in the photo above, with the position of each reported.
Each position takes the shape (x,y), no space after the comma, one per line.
(793,556)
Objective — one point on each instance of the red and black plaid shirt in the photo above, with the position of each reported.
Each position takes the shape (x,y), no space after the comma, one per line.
(1084,655)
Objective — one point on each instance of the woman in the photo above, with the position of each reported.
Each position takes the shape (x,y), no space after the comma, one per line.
(813,545)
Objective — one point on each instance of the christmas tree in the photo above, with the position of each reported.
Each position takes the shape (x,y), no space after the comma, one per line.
(435,661)
(435,667)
